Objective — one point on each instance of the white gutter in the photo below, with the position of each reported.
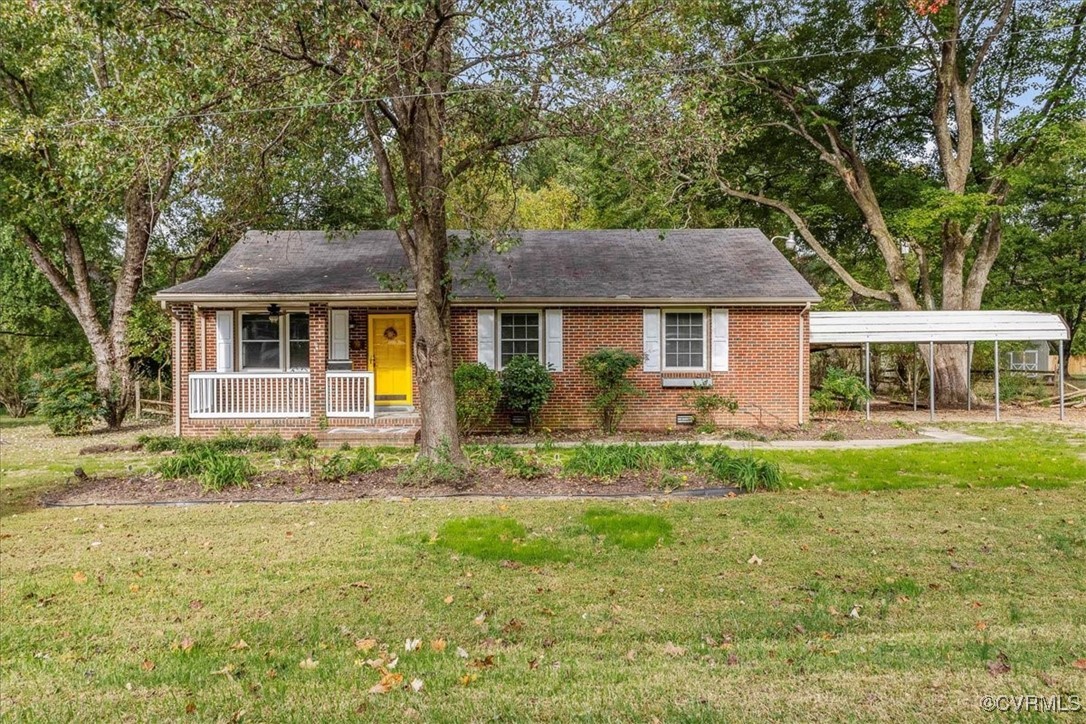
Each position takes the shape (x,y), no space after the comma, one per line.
(408,299)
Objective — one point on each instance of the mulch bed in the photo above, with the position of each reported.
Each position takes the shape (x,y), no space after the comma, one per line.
(293,486)
(847,426)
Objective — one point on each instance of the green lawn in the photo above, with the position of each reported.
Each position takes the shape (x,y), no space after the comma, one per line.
(821,603)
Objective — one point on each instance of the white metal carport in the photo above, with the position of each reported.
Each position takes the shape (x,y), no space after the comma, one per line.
(841,329)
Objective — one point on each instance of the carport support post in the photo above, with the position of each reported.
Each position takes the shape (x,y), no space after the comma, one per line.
(969,379)
(1060,363)
(997,378)
(931,380)
(916,374)
(867,376)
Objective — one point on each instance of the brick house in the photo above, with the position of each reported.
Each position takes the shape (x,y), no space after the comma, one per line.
(301,331)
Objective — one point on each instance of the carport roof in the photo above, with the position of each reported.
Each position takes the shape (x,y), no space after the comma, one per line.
(850,328)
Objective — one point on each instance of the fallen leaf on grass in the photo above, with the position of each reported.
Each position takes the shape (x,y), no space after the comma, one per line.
(271,673)
(1079,664)
(855,612)
(227,670)
(754,560)
(466,679)
(672,650)
(483,663)
(533,664)
(438,645)
(147,665)
(733,659)
(631,655)
(240,645)
(461,652)
(308,663)
(510,564)
(190,708)
(416,685)
(480,619)
(187,644)
(980,625)
(1000,666)
(79,577)
(387,683)
(448,600)
(365,644)
(196,604)
(134,587)
(412,644)
(362,584)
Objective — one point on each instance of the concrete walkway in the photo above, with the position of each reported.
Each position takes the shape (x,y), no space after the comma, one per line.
(928,435)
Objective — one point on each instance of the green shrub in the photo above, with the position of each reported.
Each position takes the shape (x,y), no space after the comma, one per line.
(822,401)
(214,469)
(160,443)
(478,394)
(607,369)
(706,404)
(304,441)
(365,460)
(524,465)
(677,455)
(526,386)
(832,435)
(1014,387)
(440,468)
(226,441)
(68,400)
(335,467)
(847,390)
(746,472)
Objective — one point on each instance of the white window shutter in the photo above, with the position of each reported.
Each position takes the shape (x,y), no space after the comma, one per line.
(719,332)
(338,348)
(554,339)
(652,339)
(224,341)
(485,337)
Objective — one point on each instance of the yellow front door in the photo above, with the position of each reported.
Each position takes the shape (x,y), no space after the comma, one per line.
(390,359)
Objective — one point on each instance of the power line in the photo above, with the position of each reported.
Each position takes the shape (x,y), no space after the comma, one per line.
(148,124)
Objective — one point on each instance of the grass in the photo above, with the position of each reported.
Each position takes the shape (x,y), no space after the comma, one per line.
(1033,455)
(148,613)
(636,531)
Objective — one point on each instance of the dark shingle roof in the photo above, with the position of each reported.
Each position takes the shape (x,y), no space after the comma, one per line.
(739,265)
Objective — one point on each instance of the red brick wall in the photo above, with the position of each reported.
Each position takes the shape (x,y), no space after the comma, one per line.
(763,367)
(764,360)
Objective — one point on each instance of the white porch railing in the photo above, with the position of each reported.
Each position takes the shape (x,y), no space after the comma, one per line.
(349,394)
(248,395)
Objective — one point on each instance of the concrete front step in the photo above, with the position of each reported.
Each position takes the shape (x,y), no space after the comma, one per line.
(398,435)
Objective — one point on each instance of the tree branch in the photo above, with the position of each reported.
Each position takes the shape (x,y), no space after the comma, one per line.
(812,241)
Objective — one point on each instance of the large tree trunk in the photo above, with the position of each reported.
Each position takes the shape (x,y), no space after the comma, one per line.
(951,374)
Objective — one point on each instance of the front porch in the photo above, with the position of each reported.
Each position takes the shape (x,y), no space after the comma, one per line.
(294,368)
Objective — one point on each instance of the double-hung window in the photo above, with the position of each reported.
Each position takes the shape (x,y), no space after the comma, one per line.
(684,340)
(274,345)
(519,333)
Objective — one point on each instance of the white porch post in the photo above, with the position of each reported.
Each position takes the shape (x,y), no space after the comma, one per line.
(997,379)
(969,378)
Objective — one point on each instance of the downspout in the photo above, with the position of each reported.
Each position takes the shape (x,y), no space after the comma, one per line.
(803,354)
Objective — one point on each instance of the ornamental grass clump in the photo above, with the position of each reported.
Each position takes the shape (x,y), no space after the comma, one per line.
(214,469)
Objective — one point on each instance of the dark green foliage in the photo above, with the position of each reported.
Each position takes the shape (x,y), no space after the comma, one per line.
(341,464)
(846,390)
(607,369)
(744,471)
(216,470)
(525,465)
(226,441)
(1014,387)
(526,385)
(478,393)
(68,400)
(439,468)
(497,539)
(636,531)
(706,404)
(608,461)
